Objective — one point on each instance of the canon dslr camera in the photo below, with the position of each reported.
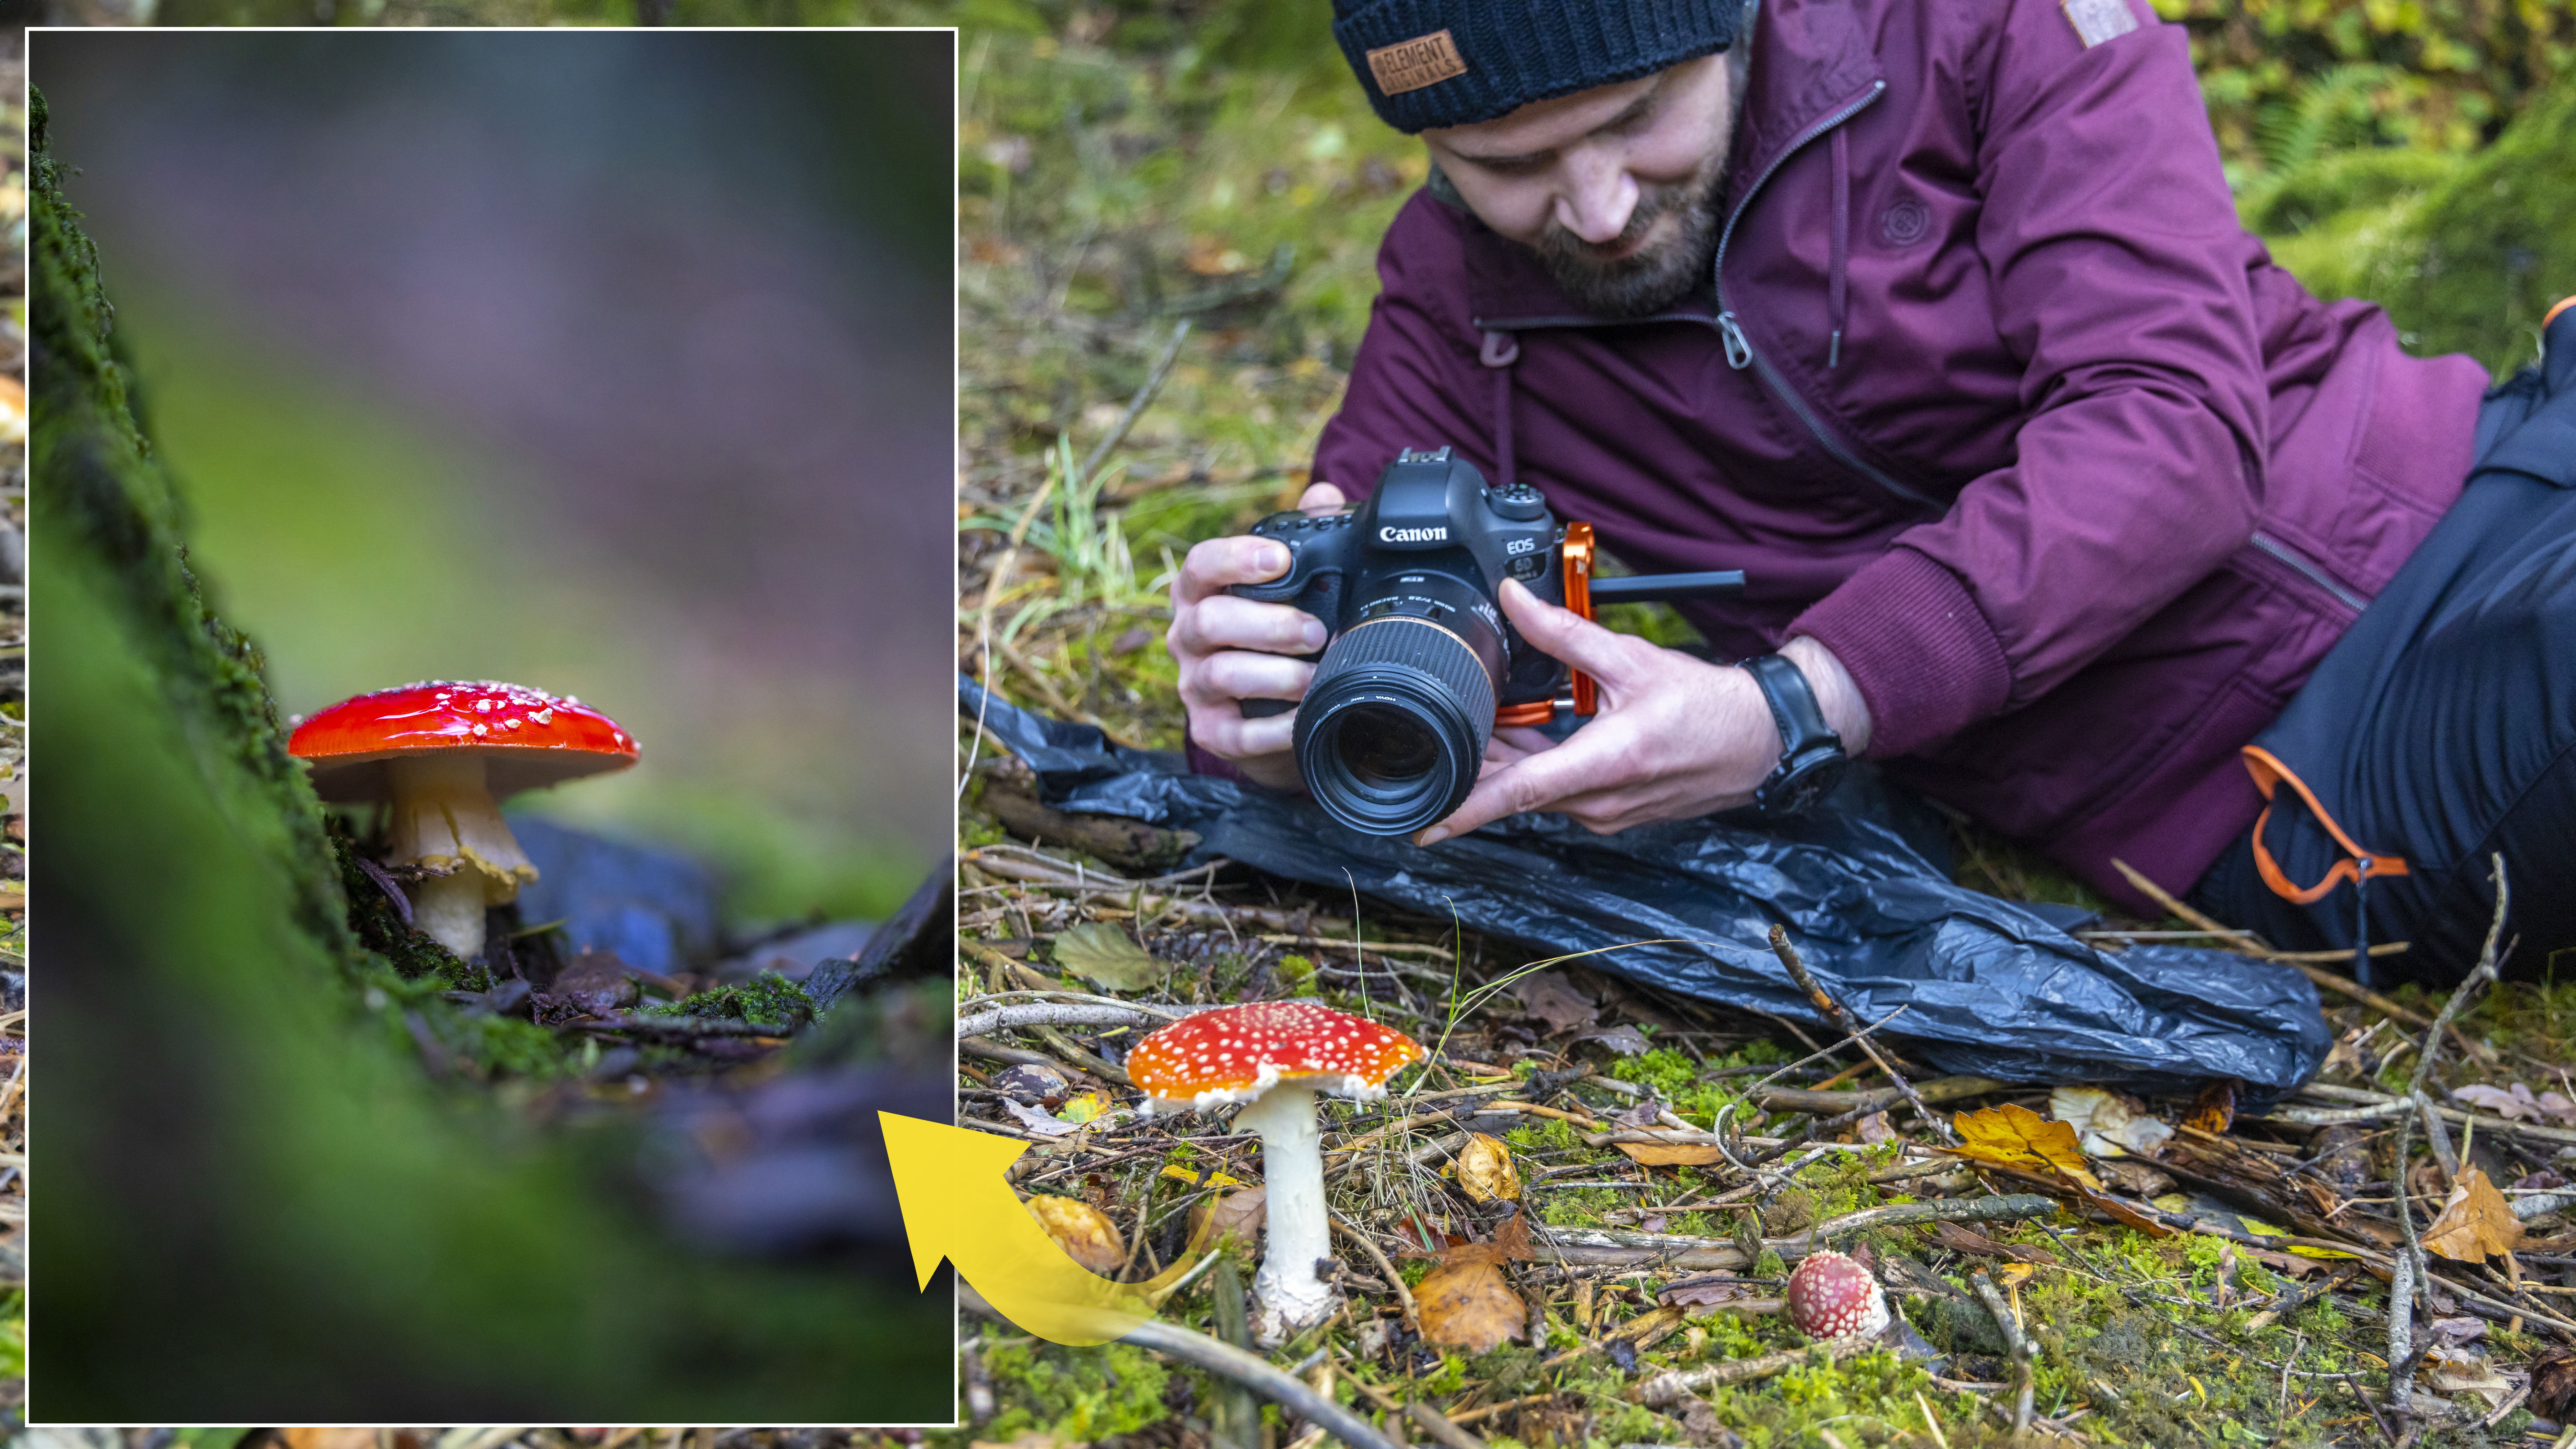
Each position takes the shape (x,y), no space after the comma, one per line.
(1422,664)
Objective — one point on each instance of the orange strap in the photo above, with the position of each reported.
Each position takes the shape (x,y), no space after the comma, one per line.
(2268,771)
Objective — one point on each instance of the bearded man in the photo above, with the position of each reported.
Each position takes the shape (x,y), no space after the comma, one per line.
(2056,494)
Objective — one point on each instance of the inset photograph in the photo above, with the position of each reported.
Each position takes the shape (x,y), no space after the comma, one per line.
(494,498)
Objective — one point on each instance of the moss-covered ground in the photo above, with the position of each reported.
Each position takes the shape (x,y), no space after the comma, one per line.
(1128,169)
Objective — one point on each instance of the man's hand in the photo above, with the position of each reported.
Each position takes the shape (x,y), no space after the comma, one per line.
(1675,737)
(1230,649)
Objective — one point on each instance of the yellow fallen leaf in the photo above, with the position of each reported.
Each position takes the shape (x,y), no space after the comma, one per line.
(1084,1232)
(1485,1170)
(2260,1228)
(2015,1136)
(2476,1222)
(1084,1106)
(1182,1174)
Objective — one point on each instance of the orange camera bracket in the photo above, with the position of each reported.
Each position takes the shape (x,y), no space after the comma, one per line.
(1578,598)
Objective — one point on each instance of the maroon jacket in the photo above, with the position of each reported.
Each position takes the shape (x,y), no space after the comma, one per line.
(1996,400)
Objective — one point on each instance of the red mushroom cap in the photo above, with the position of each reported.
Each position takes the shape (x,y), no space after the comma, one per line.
(530,738)
(1236,1053)
(1830,1296)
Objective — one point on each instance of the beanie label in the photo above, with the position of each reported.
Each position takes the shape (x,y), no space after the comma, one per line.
(1422,61)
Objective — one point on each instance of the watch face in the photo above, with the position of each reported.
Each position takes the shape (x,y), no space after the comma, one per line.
(1797,789)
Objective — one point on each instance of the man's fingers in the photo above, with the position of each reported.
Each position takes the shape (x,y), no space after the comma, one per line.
(1236,675)
(1565,635)
(1534,782)
(1320,498)
(1226,622)
(1218,564)
(1222,731)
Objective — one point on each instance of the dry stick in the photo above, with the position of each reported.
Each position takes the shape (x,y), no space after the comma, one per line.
(1841,1020)
(2017,1341)
(2408,1283)
(1013,1018)
(2340,985)
(1143,399)
(1669,1388)
(1225,1360)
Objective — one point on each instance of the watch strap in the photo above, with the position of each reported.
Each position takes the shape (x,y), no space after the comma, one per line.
(1793,705)
(1811,754)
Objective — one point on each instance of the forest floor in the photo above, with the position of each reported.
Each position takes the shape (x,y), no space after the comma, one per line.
(1572,1226)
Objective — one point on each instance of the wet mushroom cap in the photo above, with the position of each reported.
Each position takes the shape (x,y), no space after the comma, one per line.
(528,738)
(1831,1296)
(1236,1053)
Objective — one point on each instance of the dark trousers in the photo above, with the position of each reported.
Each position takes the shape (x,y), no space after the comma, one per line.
(2442,728)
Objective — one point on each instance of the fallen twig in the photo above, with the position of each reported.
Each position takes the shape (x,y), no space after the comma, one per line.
(1939,1089)
(1841,1020)
(1048,1013)
(1671,1387)
(2016,1341)
(2408,1285)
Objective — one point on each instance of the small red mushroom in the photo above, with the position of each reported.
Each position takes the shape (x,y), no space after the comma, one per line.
(1273,1056)
(1830,1296)
(443,752)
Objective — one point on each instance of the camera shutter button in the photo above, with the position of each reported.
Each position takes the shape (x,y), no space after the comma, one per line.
(1520,502)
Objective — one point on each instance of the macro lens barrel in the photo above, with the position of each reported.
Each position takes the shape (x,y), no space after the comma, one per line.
(1392,730)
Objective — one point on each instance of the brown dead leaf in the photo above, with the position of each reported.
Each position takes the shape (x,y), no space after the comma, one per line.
(1649,1328)
(2476,1222)
(1464,1302)
(1670,1154)
(1485,1170)
(2553,1383)
(1084,1232)
(2215,1109)
(2016,1136)
(1209,256)
(1241,1213)
(1874,1129)
(1552,999)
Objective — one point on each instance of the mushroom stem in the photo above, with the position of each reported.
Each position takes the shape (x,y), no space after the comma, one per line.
(445,822)
(1288,1296)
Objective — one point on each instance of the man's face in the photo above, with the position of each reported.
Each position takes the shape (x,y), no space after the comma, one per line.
(1614,188)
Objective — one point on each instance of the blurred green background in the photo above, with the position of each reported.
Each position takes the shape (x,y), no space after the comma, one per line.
(612,365)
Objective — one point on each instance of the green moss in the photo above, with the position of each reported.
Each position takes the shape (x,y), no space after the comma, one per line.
(767,999)
(1083,1394)
(2465,255)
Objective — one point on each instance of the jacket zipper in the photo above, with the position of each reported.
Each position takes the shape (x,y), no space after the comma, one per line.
(2308,568)
(1739,348)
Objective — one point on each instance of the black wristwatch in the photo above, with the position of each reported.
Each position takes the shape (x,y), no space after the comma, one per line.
(1811,755)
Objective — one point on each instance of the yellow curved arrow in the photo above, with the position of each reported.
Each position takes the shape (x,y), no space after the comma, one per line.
(957,1206)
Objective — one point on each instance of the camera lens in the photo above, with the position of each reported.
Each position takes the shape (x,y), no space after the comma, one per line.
(1392,731)
(1386,749)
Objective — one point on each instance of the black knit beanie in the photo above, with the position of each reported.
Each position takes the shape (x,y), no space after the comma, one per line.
(1432,63)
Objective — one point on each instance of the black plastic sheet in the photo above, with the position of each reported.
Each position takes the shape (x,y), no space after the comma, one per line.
(1989,986)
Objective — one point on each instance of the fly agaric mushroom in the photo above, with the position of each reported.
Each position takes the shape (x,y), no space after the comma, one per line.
(1830,1296)
(1274,1056)
(443,752)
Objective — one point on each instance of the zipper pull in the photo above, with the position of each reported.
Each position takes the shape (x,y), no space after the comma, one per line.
(1739,353)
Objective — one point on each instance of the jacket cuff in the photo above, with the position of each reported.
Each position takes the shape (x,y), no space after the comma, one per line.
(1203,763)
(1921,653)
